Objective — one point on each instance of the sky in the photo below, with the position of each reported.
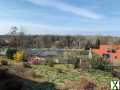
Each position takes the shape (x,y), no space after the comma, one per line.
(61,17)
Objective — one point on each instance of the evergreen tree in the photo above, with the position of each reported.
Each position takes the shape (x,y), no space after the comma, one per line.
(88,45)
(97,44)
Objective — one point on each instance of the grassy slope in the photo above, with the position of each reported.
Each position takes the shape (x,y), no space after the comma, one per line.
(60,73)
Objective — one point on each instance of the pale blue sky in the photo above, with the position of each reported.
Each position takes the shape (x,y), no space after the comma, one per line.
(74,17)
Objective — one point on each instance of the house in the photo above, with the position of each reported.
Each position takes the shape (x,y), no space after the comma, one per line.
(36,60)
(28,53)
(39,55)
(109,52)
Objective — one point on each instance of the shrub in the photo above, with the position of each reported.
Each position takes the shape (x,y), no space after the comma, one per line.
(77,63)
(4,62)
(116,73)
(85,52)
(98,63)
(10,53)
(51,63)
(27,65)
(18,56)
(37,74)
(59,70)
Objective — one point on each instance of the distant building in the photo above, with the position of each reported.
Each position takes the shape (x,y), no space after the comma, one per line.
(38,53)
(78,43)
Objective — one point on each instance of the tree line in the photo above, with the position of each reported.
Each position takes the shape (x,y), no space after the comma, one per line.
(22,40)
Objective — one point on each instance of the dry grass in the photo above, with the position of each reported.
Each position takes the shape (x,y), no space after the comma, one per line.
(83,84)
(116,62)
(63,76)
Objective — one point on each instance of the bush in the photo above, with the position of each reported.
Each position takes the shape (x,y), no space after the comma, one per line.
(27,65)
(77,63)
(18,56)
(4,62)
(10,53)
(51,63)
(59,70)
(85,52)
(98,63)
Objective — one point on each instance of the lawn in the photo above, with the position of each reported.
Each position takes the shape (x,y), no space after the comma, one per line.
(59,73)
(62,72)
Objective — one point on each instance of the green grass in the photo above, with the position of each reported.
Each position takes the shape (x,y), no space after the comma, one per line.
(101,77)
(60,73)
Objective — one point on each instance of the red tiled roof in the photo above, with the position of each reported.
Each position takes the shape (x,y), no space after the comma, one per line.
(103,49)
